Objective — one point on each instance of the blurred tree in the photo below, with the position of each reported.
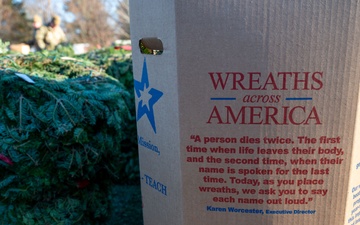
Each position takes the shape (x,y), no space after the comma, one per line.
(90,24)
(124,19)
(14,26)
(119,17)
(43,8)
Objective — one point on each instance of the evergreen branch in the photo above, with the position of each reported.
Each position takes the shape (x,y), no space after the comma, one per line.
(7,181)
(11,154)
(15,190)
(97,154)
(67,113)
(32,159)
(72,158)
(111,172)
(44,156)
(79,219)
(22,144)
(33,111)
(54,218)
(10,134)
(20,112)
(58,101)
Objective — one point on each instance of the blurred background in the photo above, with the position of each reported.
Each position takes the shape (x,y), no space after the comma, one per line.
(88,24)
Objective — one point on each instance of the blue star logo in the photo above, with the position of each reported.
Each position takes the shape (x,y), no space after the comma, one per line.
(147,97)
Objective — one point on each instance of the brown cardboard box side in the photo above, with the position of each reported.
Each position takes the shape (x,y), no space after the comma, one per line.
(251,113)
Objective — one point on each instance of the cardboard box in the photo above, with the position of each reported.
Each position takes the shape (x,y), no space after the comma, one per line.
(251,113)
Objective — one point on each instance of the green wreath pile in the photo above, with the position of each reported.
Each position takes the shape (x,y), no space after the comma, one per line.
(62,123)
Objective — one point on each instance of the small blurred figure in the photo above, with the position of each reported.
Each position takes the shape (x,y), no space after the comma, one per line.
(55,34)
(39,34)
